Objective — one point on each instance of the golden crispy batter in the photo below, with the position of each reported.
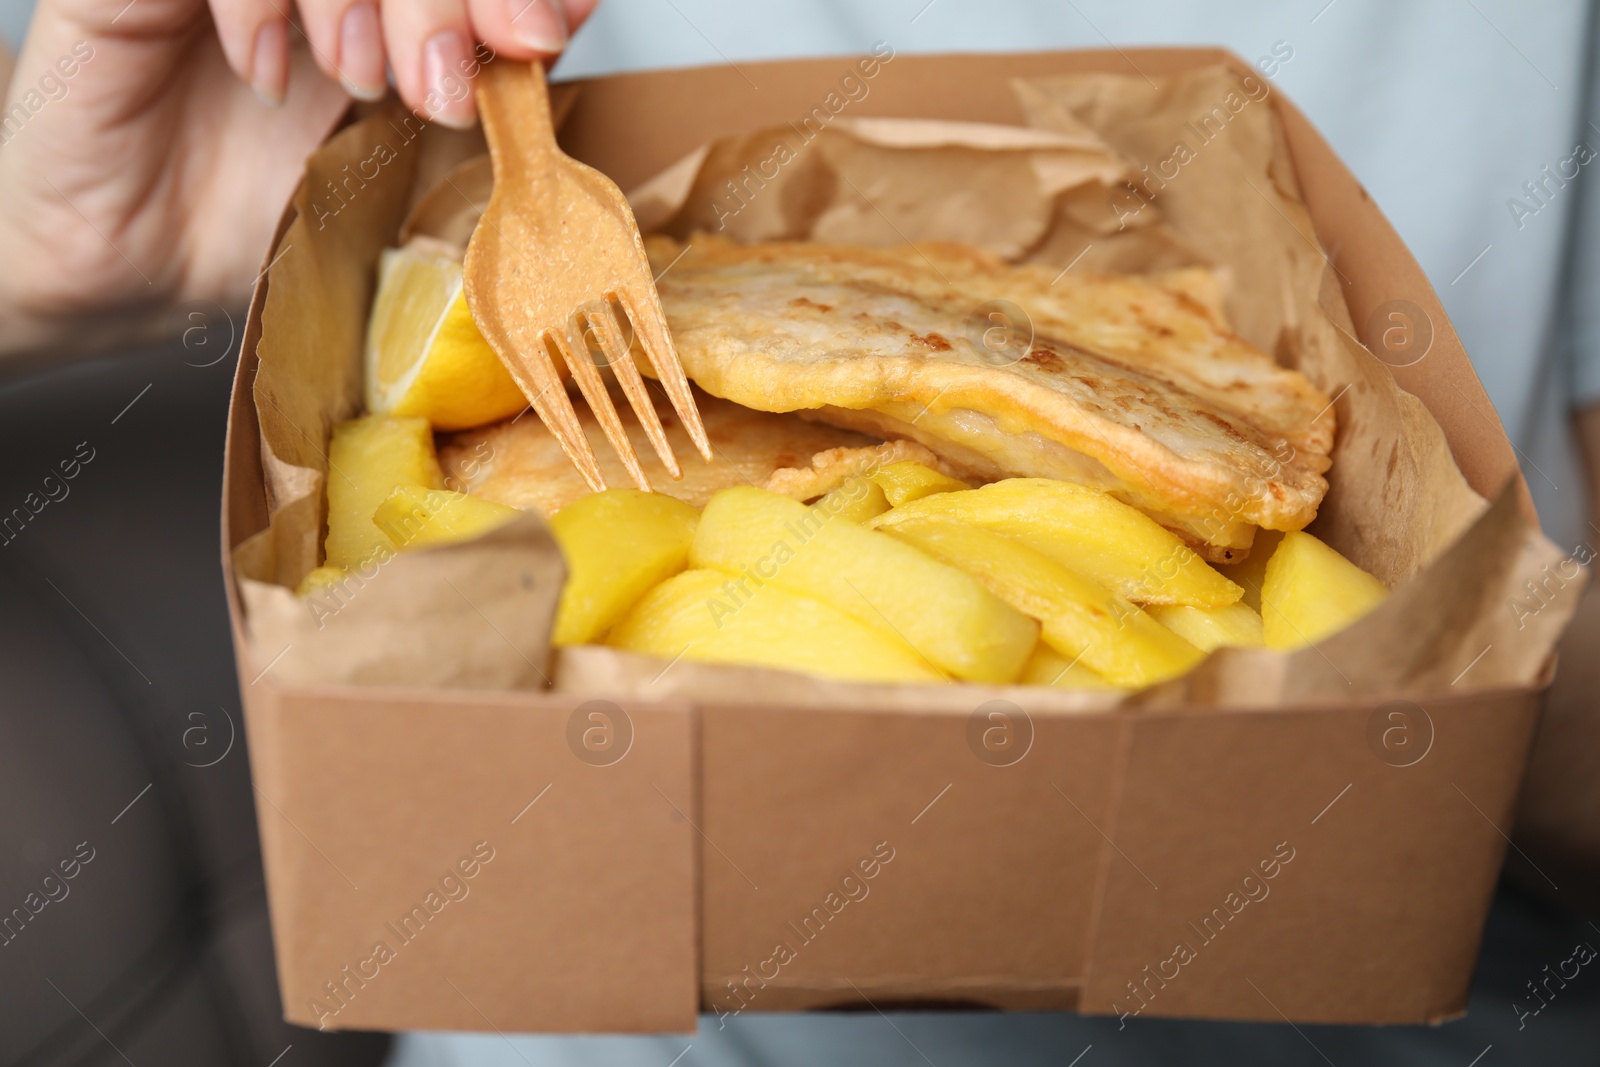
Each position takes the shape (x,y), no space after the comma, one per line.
(1170,324)
(1147,397)
(830,468)
(519,463)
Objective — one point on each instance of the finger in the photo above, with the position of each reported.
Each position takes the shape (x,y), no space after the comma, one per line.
(434,59)
(347,40)
(521,29)
(578,12)
(255,40)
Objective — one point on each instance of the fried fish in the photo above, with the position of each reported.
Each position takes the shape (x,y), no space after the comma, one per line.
(520,463)
(1129,384)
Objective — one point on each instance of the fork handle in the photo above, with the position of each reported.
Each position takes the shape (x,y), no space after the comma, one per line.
(514,104)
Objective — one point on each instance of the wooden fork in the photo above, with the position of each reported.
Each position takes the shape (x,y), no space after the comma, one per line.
(557,269)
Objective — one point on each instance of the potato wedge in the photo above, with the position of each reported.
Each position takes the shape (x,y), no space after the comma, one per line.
(857,500)
(1210,628)
(1249,574)
(368,458)
(414,516)
(320,579)
(909,480)
(618,544)
(1079,617)
(1050,668)
(1086,529)
(1310,591)
(764,538)
(770,628)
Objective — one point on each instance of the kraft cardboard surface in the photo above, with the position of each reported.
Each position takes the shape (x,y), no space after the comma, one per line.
(1286,871)
(525,863)
(979,851)
(788,844)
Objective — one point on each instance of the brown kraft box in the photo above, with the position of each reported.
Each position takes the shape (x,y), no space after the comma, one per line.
(476,851)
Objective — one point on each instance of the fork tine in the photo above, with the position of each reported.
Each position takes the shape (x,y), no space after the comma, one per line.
(575,351)
(651,331)
(548,397)
(612,330)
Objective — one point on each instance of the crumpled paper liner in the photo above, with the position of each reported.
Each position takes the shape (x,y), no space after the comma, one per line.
(1065,192)
(1011,190)
(612,672)
(470,616)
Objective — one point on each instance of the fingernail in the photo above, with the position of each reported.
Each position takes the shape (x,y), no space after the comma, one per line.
(269,62)
(539,24)
(445,61)
(361,52)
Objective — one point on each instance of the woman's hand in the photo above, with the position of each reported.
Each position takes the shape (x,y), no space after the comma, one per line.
(137,170)
(426,43)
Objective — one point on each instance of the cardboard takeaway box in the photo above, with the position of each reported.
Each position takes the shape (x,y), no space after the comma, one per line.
(465,859)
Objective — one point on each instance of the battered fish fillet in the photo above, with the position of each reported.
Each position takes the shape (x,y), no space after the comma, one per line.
(833,467)
(1170,324)
(519,463)
(1136,387)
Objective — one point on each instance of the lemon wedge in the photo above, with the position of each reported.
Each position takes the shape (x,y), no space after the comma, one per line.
(425,356)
